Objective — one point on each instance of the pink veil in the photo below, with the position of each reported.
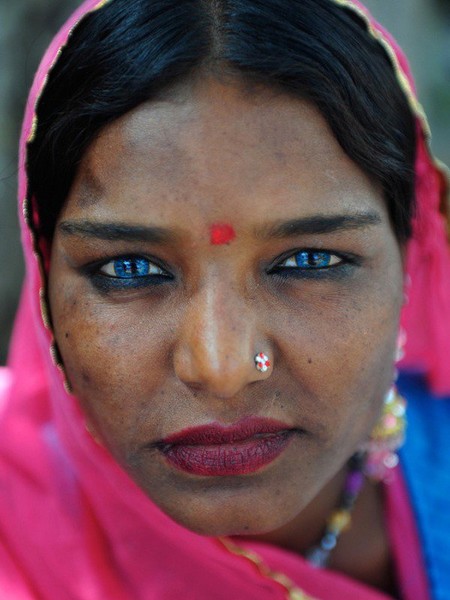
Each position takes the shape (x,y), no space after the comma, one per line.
(72,523)
(426,316)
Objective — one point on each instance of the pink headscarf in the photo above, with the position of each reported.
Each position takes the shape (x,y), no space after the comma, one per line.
(426,316)
(72,523)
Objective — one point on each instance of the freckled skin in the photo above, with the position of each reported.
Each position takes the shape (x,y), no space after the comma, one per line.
(148,362)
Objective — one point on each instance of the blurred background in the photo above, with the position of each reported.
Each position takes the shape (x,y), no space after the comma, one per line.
(26,26)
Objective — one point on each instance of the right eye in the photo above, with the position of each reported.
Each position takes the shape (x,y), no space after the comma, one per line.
(125,273)
(131,267)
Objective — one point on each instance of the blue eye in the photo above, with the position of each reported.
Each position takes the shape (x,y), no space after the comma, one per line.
(130,267)
(127,272)
(311,260)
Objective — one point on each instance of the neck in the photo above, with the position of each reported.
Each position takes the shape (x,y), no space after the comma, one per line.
(362,552)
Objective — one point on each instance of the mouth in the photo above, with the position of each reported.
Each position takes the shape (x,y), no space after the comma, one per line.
(218,450)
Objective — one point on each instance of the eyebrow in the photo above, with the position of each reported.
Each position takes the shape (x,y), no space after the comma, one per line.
(116,231)
(319,224)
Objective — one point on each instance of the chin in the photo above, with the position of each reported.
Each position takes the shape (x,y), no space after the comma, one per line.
(222,512)
(236,524)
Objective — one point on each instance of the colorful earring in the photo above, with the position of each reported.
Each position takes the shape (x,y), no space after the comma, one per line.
(386,438)
(262,362)
(389,433)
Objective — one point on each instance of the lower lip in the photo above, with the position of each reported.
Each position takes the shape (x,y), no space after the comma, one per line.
(238,458)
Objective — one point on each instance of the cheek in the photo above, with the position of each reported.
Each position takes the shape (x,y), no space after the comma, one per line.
(114,362)
(341,350)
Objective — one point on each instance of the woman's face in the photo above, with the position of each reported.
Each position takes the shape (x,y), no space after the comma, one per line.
(201,230)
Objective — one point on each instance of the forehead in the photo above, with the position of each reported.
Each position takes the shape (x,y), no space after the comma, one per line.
(211,146)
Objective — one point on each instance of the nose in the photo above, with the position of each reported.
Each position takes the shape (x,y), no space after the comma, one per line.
(217,343)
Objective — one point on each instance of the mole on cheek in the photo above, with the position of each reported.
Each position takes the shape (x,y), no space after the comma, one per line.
(221,233)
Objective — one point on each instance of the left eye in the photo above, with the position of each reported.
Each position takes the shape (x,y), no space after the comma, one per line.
(310,259)
(131,267)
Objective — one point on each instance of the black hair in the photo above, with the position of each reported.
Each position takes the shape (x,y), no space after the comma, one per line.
(130,50)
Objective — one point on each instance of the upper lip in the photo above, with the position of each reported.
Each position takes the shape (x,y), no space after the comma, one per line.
(215,433)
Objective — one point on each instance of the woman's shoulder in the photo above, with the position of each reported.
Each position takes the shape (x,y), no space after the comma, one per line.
(425,452)
(425,460)
(424,408)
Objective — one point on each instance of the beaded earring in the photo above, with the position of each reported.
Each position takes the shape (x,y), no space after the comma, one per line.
(389,433)
(386,438)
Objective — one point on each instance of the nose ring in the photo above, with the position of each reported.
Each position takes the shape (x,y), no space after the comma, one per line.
(262,362)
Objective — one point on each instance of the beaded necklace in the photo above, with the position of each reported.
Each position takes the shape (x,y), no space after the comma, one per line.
(340,519)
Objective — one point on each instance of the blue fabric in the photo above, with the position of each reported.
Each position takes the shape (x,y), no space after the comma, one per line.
(425,460)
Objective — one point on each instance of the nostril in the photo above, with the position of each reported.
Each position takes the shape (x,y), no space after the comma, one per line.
(195,387)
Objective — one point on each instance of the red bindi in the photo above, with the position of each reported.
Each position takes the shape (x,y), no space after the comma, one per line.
(221,233)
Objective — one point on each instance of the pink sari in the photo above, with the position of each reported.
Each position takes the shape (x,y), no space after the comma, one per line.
(72,523)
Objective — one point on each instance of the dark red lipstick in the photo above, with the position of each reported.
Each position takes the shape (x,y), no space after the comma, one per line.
(238,449)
